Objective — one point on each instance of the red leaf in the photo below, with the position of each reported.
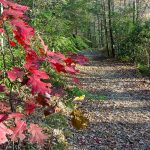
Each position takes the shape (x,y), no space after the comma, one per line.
(12,43)
(50,54)
(3,132)
(16,116)
(50,110)
(29,108)
(2,88)
(68,61)
(18,130)
(15,73)
(58,67)
(35,82)
(60,55)
(3,117)
(5,3)
(36,134)
(12,14)
(41,100)
(32,60)
(22,31)
(70,69)
(15,6)
(2,30)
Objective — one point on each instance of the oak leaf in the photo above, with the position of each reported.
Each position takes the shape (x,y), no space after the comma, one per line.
(79,121)
(4,131)
(36,134)
(35,82)
(15,73)
(30,107)
(18,130)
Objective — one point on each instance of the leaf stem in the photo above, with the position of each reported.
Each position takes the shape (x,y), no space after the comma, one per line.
(10,98)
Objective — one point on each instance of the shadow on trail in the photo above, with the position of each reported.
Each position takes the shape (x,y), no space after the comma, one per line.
(120,121)
(114,135)
(101,62)
(115,74)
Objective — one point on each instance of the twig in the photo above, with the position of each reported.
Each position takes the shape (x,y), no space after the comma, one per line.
(10,99)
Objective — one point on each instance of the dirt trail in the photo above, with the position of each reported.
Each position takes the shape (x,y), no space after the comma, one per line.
(122,121)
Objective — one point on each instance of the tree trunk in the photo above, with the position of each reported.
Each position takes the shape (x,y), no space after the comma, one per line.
(105,28)
(110,29)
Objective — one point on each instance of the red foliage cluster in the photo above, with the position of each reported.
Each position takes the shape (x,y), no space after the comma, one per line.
(30,74)
(18,131)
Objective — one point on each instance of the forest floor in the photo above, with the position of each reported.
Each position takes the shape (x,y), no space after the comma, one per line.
(118,108)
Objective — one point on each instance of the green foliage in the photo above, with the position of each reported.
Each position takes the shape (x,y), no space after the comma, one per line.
(57,22)
(132,39)
(56,121)
(59,146)
(75,92)
(96,97)
(144,70)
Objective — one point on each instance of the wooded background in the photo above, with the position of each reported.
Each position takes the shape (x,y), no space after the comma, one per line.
(119,28)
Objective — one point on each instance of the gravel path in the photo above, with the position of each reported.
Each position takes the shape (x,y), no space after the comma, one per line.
(122,121)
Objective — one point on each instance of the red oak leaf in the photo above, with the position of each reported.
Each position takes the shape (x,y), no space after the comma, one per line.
(50,110)
(3,117)
(18,130)
(3,132)
(15,6)
(30,107)
(53,61)
(36,134)
(2,30)
(35,82)
(5,3)
(58,67)
(32,60)
(15,73)
(41,100)
(19,39)
(71,69)
(16,116)
(50,54)
(60,56)
(23,32)
(2,88)
(12,43)
(68,61)
(12,14)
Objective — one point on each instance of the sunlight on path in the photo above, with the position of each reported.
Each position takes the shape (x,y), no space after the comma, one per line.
(122,121)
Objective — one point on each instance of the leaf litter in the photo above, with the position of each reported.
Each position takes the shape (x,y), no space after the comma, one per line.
(121,121)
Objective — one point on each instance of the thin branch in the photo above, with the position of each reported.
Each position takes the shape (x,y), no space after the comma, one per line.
(10,98)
